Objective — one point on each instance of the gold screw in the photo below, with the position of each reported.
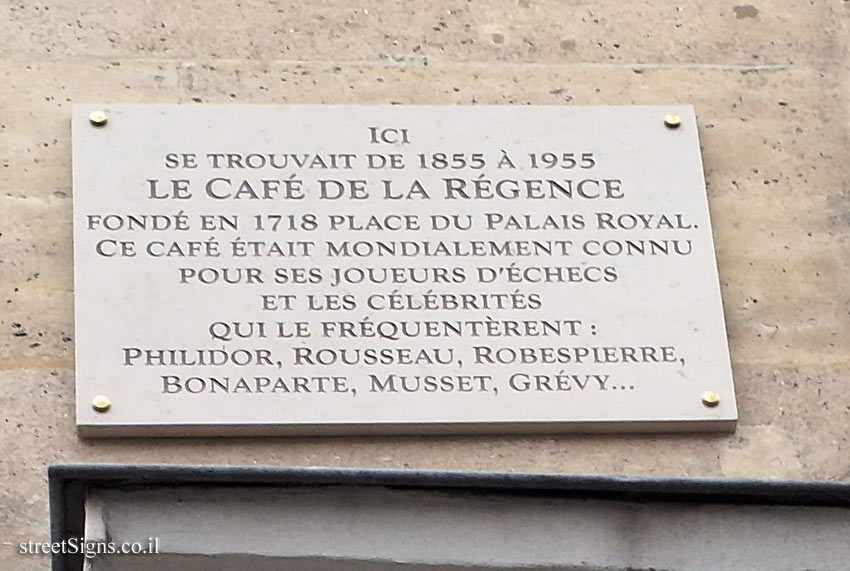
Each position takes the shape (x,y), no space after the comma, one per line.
(98,118)
(710,399)
(672,121)
(101,403)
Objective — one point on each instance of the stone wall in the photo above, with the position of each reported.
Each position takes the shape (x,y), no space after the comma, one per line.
(770,85)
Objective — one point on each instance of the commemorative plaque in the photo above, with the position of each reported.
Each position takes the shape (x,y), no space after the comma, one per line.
(394,269)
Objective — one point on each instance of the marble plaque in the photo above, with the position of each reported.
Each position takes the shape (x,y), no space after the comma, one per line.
(325,269)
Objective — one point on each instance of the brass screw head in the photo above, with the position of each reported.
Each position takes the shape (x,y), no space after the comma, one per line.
(710,399)
(672,121)
(101,403)
(98,118)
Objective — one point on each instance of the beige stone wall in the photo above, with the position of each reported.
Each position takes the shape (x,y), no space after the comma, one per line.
(770,85)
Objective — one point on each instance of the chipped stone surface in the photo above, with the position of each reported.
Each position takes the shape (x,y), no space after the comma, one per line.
(771,94)
(434,31)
